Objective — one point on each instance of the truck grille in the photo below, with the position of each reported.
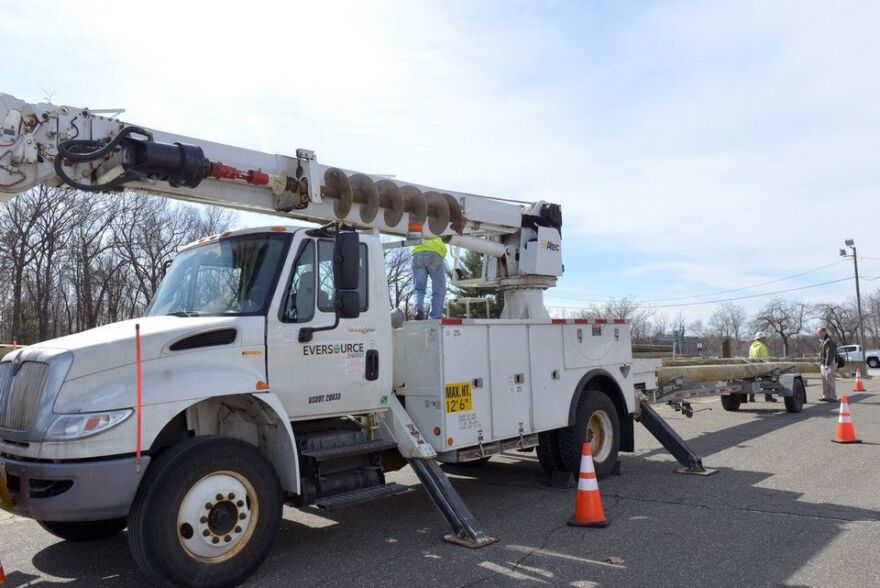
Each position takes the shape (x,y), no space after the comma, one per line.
(20,394)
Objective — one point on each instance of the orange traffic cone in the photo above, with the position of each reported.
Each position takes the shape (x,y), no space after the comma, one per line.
(588,504)
(846,433)
(859,385)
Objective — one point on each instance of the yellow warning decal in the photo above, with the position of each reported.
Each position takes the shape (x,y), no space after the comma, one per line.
(459,397)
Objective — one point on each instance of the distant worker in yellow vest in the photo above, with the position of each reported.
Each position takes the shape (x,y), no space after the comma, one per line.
(428,259)
(759,349)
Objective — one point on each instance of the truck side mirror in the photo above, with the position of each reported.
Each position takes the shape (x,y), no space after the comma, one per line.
(346,260)
(348,304)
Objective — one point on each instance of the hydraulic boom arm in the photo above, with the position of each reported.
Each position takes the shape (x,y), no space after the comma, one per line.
(91,150)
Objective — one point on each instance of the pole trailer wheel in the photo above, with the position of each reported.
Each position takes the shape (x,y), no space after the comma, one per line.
(795,402)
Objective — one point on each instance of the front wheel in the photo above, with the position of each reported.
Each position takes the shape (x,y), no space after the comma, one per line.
(795,402)
(84,530)
(206,514)
(596,423)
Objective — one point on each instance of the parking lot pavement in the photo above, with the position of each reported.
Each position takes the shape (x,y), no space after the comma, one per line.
(788,507)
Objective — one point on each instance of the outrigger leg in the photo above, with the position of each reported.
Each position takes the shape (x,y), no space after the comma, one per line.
(674,444)
(465,528)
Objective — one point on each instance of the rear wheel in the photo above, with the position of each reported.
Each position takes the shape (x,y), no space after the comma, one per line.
(548,452)
(597,423)
(206,514)
(730,402)
(84,530)
(795,402)
(873,362)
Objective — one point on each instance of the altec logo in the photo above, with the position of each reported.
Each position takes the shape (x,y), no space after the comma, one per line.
(549,245)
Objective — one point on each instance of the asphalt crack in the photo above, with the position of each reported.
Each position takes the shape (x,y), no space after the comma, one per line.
(545,539)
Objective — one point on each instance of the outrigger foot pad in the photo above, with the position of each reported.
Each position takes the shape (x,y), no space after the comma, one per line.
(466,531)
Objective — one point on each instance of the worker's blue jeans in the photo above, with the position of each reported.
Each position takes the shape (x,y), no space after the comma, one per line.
(424,264)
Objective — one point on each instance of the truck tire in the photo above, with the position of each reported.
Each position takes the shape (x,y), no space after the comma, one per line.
(597,414)
(795,402)
(874,362)
(730,402)
(84,530)
(548,452)
(206,514)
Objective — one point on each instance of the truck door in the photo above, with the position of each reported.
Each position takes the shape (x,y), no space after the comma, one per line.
(339,371)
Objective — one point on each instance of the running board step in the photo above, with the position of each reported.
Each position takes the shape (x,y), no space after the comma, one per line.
(338,501)
(465,528)
(350,450)
(674,444)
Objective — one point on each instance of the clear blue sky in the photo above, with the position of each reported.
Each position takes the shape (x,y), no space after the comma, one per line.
(694,146)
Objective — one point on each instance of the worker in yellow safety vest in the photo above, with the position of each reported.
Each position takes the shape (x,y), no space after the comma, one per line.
(428,259)
(758,348)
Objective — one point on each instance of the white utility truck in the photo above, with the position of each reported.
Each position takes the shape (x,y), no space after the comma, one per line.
(270,370)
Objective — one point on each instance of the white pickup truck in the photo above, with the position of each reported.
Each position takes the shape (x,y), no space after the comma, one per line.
(855,353)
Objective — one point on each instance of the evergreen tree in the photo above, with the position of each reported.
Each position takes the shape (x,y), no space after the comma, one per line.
(471,267)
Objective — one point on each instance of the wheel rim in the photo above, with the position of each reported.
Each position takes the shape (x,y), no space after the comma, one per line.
(600,435)
(217,517)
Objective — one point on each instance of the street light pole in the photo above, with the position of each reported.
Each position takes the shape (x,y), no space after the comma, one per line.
(852,245)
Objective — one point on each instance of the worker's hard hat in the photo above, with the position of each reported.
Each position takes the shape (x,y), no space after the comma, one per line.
(760,335)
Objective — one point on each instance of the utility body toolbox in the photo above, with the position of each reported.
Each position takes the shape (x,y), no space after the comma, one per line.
(476,387)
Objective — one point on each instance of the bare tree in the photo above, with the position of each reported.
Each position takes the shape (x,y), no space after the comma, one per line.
(871,318)
(698,329)
(52,232)
(17,248)
(783,318)
(626,308)
(73,261)
(729,320)
(842,320)
(93,261)
(400,280)
(148,232)
(659,326)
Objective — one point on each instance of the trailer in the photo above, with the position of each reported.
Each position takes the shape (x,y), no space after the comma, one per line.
(786,383)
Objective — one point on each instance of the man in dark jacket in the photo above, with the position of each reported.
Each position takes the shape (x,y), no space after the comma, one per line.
(827,365)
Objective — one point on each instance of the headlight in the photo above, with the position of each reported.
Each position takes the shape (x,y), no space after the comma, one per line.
(77,426)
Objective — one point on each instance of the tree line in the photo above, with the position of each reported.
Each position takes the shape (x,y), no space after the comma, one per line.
(788,324)
(73,261)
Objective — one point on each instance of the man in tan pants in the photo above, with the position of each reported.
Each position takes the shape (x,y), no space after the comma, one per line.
(827,365)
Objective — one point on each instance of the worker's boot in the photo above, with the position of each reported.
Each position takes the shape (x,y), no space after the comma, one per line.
(770,398)
(420,315)
(751,397)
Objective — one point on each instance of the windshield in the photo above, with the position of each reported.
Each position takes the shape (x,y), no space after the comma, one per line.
(228,277)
